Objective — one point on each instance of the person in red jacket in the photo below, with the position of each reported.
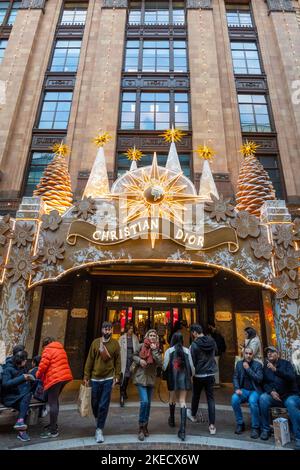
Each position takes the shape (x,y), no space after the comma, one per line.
(55,372)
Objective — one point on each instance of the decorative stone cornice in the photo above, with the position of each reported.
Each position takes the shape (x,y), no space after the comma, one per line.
(281,6)
(33,4)
(114,4)
(197,4)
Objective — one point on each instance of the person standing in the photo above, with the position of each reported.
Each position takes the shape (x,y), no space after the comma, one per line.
(128,346)
(102,368)
(295,360)
(55,373)
(247,380)
(203,349)
(280,390)
(16,393)
(221,348)
(179,368)
(2,352)
(147,359)
(252,341)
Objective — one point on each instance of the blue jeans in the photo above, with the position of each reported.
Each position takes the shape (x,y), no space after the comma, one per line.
(251,397)
(292,403)
(145,402)
(23,405)
(101,393)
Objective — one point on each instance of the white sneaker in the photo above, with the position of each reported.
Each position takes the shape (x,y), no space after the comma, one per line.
(212,429)
(190,417)
(99,435)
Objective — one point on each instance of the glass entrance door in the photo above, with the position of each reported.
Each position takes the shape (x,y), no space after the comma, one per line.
(142,321)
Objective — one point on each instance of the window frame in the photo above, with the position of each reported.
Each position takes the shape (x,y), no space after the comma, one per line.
(267,104)
(42,101)
(76,25)
(238,9)
(253,41)
(57,39)
(3,48)
(8,12)
(30,165)
(143,11)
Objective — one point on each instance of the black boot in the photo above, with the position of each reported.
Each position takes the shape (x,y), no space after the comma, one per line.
(171,420)
(181,432)
(122,401)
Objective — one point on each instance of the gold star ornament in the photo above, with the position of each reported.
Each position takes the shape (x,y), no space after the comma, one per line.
(60,149)
(172,135)
(249,148)
(204,152)
(134,154)
(101,139)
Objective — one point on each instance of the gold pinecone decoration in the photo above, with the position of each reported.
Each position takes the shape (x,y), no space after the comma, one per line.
(254,184)
(55,184)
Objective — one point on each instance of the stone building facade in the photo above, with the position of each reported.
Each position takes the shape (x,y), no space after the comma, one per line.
(223,71)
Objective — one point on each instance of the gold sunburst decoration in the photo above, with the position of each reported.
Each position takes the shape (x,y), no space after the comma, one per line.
(101,139)
(172,135)
(60,148)
(249,148)
(205,152)
(155,194)
(134,154)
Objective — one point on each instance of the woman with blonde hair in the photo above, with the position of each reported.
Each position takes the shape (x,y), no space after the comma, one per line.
(147,359)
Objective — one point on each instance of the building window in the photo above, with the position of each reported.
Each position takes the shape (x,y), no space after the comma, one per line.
(13,13)
(55,110)
(156,56)
(66,56)
(3,9)
(74,15)
(156,12)
(180,61)
(3,44)
(270,164)
(245,58)
(39,161)
(124,164)
(254,113)
(155,111)
(239,16)
(128,111)
(132,56)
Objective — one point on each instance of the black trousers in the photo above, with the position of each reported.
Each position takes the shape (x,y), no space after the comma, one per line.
(208,384)
(124,385)
(52,397)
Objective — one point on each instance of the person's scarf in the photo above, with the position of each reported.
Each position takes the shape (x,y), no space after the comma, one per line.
(146,352)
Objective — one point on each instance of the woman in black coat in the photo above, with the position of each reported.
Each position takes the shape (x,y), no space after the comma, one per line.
(179,369)
(16,390)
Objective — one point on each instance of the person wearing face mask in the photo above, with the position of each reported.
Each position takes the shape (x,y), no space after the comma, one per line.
(103,369)
(147,359)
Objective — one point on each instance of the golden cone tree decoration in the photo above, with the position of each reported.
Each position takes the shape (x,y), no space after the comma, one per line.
(55,185)
(254,184)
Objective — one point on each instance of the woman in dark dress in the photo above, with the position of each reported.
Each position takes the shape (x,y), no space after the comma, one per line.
(179,369)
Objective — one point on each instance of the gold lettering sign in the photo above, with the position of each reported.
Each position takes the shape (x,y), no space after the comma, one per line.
(79,313)
(144,228)
(223,316)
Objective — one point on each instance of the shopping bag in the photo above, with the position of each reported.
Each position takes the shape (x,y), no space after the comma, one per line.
(281,431)
(85,401)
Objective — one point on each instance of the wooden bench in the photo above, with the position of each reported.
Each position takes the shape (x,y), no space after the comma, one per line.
(34,409)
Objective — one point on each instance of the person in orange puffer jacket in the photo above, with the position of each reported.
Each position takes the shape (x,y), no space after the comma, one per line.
(55,372)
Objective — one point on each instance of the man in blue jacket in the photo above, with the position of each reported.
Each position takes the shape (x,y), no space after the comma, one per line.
(247,379)
(280,390)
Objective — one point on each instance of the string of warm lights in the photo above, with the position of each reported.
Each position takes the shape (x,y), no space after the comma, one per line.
(18,47)
(107,62)
(289,35)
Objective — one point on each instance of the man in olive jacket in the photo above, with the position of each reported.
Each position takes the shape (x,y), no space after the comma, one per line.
(102,368)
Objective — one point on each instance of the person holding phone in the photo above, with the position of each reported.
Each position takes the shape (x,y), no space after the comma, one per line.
(252,341)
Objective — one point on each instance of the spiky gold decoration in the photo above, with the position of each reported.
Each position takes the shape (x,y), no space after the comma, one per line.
(101,139)
(249,148)
(134,154)
(204,152)
(172,135)
(60,149)
(55,185)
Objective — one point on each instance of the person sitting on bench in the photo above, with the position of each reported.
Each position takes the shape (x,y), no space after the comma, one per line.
(16,390)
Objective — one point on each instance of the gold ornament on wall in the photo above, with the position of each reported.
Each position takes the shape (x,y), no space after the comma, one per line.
(172,135)
(51,221)
(204,152)
(101,139)
(23,234)
(262,248)
(283,235)
(21,266)
(52,251)
(55,185)
(219,209)
(285,288)
(246,225)
(5,229)
(84,208)
(134,154)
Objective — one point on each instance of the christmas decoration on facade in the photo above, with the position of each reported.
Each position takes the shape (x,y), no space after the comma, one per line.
(283,234)
(254,185)
(51,221)
(173,135)
(134,155)
(5,229)
(288,260)
(21,265)
(84,208)
(219,208)
(98,185)
(207,183)
(55,185)
(52,251)
(246,225)
(22,235)
(262,248)
(285,287)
